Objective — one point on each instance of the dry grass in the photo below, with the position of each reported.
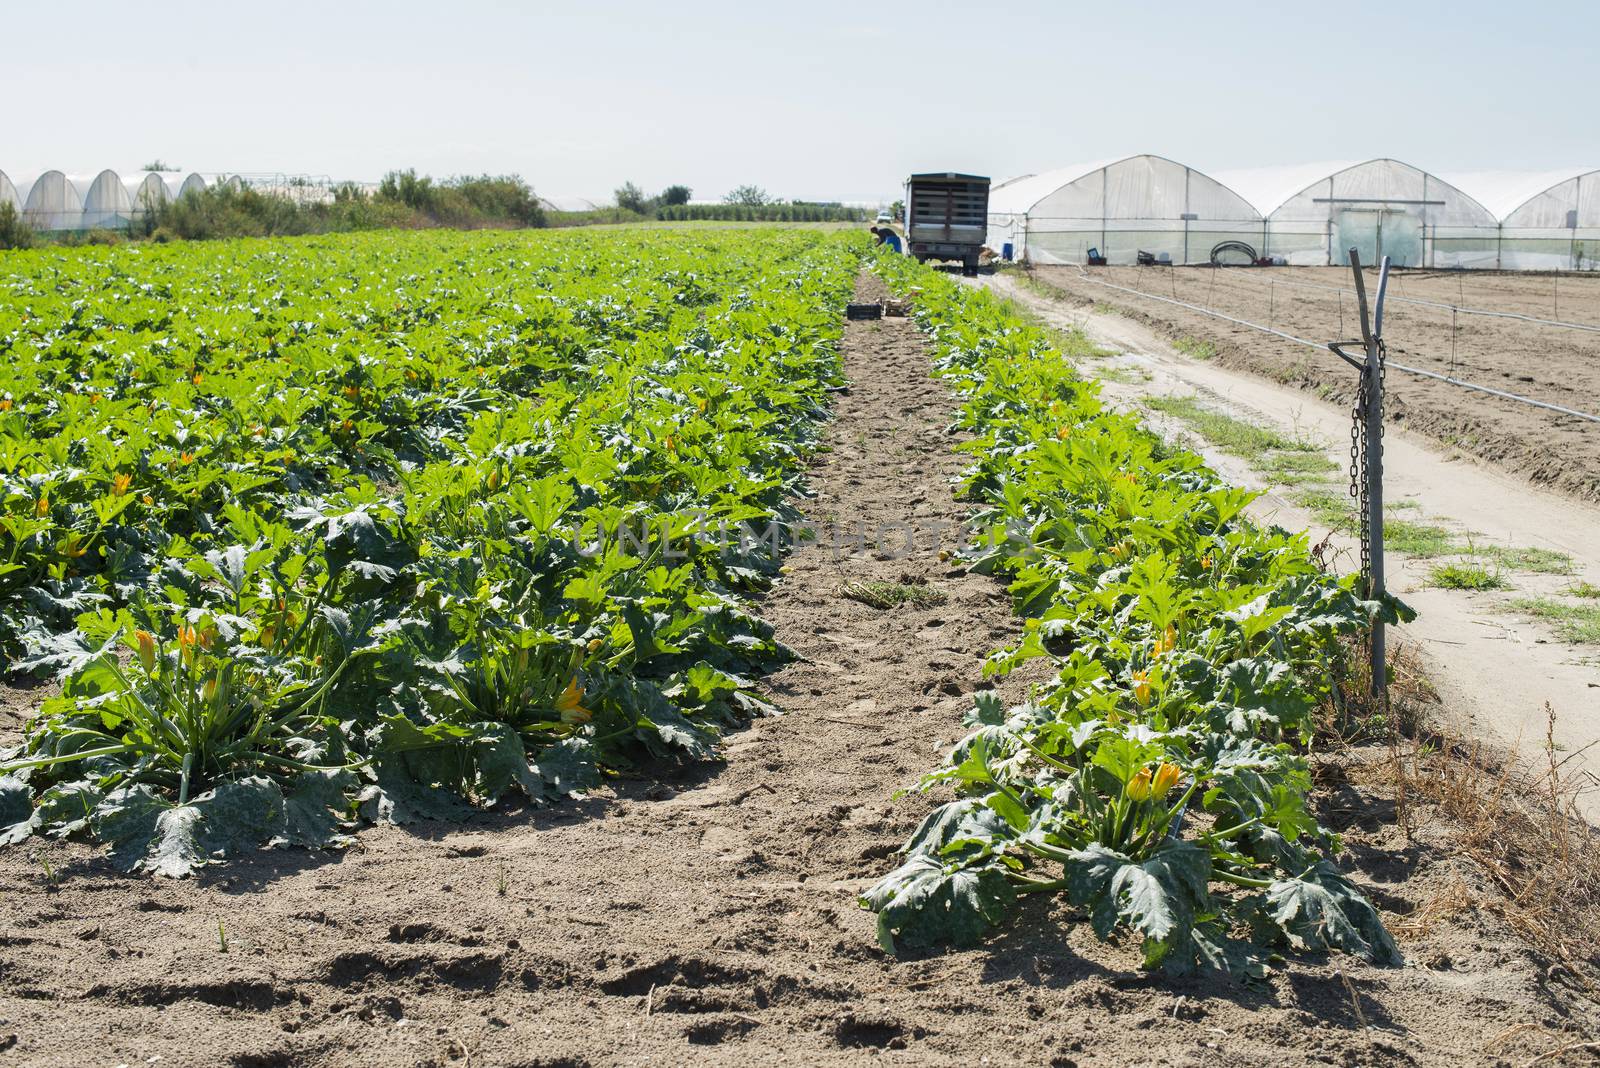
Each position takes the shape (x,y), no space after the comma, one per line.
(1518,822)
(1454,899)
(1522,826)
(882,595)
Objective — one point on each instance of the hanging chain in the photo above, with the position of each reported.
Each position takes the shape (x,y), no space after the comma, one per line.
(1358,474)
(1360,450)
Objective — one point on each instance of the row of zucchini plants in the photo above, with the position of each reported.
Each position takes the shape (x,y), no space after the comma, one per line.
(1158,781)
(382,527)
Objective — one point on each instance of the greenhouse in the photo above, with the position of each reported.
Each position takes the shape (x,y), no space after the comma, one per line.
(106,205)
(1120,208)
(192,184)
(147,193)
(52,203)
(8,192)
(1549,221)
(1382,207)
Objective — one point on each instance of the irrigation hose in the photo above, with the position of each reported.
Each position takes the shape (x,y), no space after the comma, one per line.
(1323,347)
(1232,246)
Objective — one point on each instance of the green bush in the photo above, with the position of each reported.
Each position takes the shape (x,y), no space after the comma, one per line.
(14,233)
(403,200)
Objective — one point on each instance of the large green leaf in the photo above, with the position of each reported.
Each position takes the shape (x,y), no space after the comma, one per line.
(925,901)
(16,809)
(1323,910)
(567,767)
(957,825)
(399,797)
(317,809)
(147,833)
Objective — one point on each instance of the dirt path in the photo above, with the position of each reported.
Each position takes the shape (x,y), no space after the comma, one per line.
(711,918)
(1495,669)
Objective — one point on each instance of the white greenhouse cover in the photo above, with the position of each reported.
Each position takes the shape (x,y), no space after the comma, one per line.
(1503,192)
(192,184)
(1384,181)
(1119,208)
(106,203)
(1551,220)
(147,191)
(52,203)
(1382,207)
(1017,196)
(1268,187)
(8,192)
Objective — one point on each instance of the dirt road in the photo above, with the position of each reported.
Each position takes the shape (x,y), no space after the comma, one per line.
(711,918)
(1495,669)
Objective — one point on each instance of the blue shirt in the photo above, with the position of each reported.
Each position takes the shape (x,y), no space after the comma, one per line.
(891,239)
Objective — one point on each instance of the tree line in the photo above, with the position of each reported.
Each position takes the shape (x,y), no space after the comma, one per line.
(745,203)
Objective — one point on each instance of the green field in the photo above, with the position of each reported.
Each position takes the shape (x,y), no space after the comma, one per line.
(338,531)
(403,521)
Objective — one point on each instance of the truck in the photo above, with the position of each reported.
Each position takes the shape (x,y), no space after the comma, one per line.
(947,217)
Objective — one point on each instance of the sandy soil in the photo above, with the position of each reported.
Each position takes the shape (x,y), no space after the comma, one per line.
(1552,364)
(711,916)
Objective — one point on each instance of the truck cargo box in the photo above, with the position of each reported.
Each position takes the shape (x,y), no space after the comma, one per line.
(947,216)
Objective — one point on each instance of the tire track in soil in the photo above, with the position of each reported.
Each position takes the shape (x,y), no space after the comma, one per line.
(712,915)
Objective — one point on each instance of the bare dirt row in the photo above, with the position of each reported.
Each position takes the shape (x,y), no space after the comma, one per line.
(710,914)
(1552,364)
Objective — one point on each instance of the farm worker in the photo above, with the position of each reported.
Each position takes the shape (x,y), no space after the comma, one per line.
(887,236)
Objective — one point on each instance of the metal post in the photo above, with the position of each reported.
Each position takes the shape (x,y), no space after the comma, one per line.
(1452,339)
(1372,372)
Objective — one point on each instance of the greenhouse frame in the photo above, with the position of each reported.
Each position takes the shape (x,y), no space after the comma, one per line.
(147,193)
(52,203)
(1548,221)
(1381,207)
(106,205)
(1118,208)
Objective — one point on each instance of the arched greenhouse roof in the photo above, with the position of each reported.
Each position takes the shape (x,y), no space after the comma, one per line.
(194,183)
(1384,181)
(1565,199)
(106,203)
(8,192)
(1016,196)
(52,203)
(1504,191)
(1135,187)
(1122,210)
(148,190)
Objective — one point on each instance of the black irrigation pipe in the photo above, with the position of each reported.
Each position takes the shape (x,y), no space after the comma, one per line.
(1321,346)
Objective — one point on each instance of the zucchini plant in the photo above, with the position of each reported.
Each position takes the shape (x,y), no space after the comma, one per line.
(1158,780)
(381,527)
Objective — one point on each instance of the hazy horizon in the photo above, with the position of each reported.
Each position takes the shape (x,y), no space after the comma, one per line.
(836,103)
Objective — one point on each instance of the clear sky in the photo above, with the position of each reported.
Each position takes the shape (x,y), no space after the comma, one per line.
(822,99)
